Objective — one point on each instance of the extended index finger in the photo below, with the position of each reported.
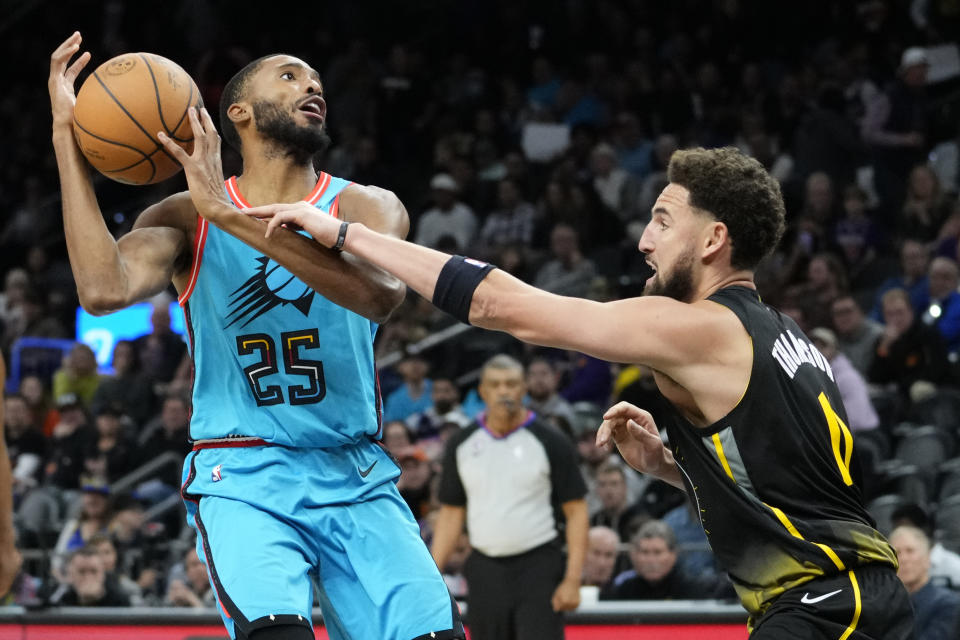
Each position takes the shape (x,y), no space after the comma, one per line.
(67,48)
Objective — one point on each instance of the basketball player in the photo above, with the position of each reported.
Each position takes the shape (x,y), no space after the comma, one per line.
(9,556)
(757,429)
(285,480)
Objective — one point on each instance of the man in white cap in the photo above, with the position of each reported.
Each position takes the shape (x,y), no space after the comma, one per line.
(447,217)
(895,128)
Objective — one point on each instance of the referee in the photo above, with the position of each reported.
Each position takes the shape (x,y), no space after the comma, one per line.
(508,476)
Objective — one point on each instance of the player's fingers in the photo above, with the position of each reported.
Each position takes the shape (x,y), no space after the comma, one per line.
(620,409)
(173,148)
(209,127)
(199,135)
(67,48)
(263,211)
(277,220)
(74,69)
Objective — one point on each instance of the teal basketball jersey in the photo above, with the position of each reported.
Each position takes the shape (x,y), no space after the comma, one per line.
(273,359)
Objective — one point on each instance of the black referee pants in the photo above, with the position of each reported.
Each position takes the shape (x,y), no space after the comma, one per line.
(509,597)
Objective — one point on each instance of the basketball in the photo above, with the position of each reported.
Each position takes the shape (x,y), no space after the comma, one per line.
(120,108)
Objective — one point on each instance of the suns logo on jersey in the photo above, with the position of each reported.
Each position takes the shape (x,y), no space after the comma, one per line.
(269,287)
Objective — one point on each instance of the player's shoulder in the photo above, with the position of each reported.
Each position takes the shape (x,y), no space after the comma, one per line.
(175,211)
(376,207)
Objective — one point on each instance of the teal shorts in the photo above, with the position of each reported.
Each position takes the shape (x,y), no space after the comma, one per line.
(270,520)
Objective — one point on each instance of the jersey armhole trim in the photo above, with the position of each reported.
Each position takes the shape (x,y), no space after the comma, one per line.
(199,241)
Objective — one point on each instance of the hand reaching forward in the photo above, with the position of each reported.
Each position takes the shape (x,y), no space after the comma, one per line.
(323,227)
(202,167)
(63,76)
(635,433)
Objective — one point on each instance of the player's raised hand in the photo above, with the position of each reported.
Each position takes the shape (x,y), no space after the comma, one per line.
(635,433)
(202,166)
(63,77)
(323,227)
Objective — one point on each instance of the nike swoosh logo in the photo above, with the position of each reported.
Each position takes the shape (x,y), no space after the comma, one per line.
(364,474)
(806,599)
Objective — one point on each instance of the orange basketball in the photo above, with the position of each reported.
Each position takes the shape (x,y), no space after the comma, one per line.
(121,107)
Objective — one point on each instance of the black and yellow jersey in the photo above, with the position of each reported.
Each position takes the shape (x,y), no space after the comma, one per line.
(772,479)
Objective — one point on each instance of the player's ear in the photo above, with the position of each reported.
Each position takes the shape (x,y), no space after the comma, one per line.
(716,238)
(239,112)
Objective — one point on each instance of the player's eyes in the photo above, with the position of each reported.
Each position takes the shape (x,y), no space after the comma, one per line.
(287,75)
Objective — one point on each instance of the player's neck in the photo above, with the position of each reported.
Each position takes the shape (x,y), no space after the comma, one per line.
(713,281)
(266,180)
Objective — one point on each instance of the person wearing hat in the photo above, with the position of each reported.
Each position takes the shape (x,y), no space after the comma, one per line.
(895,128)
(447,217)
(853,388)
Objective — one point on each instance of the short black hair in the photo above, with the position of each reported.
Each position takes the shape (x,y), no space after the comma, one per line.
(233,92)
(736,190)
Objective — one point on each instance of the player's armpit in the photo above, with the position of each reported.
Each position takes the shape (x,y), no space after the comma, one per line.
(655,331)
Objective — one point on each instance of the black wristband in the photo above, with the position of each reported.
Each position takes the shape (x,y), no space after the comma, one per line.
(341,236)
(456,283)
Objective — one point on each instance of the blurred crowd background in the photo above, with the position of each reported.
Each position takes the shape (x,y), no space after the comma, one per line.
(535,135)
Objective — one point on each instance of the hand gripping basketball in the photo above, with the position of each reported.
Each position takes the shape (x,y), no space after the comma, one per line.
(203,167)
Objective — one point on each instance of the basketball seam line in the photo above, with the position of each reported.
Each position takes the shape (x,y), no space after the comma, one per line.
(156,92)
(146,156)
(132,119)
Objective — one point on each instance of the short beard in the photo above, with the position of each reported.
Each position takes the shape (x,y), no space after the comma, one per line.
(300,143)
(678,284)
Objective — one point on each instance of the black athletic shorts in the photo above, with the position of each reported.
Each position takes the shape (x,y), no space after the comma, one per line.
(869,603)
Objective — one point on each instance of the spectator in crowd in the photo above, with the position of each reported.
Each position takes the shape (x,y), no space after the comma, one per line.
(110,455)
(116,578)
(825,282)
(414,394)
(655,574)
(594,458)
(603,548)
(936,608)
(908,352)
(857,334)
(414,481)
(68,442)
(568,272)
(926,208)
(503,476)
(914,262)
(447,217)
(86,583)
(397,436)
(861,415)
(161,350)
(93,518)
(697,558)
(616,512)
(169,433)
(511,223)
(542,397)
(858,239)
(895,127)
(42,412)
(128,388)
(78,375)
(26,446)
(943,312)
(445,397)
(589,380)
(192,589)
(141,546)
(617,189)
(944,564)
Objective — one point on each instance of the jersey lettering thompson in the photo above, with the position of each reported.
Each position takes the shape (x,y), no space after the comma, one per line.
(773,479)
(272,358)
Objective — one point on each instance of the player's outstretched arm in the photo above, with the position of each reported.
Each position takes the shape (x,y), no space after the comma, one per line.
(109,275)
(348,282)
(659,332)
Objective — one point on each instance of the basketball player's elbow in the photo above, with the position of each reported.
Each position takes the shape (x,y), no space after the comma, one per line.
(99,301)
(389,296)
